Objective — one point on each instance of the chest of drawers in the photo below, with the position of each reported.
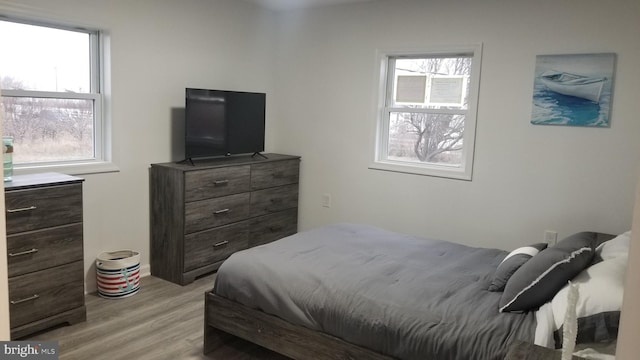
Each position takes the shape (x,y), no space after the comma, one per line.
(45,251)
(203,213)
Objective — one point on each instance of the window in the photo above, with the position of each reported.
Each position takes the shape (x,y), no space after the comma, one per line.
(51,94)
(427,108)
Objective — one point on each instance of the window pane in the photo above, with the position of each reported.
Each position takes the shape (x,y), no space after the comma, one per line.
(434,83)
(49,129)
(44,59)
(426,138)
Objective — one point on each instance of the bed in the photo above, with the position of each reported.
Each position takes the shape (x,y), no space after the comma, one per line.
(348,291)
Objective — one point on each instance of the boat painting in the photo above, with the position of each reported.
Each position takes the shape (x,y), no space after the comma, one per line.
(585,87)
(573,90)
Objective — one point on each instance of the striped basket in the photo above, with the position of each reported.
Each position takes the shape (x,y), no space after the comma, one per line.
(118,273)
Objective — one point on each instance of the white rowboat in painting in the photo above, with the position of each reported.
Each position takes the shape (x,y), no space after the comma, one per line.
(580,86)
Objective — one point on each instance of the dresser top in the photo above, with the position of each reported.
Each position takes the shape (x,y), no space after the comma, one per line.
(199,164)
(38,180)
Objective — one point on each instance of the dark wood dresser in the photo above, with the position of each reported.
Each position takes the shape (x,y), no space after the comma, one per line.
(203,213)
(45,251)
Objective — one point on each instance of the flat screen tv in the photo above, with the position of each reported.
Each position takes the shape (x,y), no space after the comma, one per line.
(221,122)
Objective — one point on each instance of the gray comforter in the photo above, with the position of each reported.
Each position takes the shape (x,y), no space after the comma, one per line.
(399,295)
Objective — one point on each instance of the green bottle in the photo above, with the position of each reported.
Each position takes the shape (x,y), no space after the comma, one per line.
(7,152)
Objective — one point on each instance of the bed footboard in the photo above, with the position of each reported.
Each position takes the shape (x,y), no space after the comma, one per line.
(226,319)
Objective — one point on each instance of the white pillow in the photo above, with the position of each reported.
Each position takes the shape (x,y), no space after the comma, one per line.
(601,288)
(618,246)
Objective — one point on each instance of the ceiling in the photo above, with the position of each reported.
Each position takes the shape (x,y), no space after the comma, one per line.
(297,4)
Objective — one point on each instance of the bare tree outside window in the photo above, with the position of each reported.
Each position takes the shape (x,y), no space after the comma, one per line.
(427,111)
(48,129)
(50,92)
(430,135)
(432,138)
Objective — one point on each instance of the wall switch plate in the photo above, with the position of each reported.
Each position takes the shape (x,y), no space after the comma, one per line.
(325,200)
(550,237)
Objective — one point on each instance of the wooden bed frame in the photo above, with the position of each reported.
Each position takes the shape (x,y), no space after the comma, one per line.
(225,320)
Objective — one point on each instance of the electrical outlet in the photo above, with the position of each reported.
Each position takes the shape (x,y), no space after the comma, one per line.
(325,201)
(550,237)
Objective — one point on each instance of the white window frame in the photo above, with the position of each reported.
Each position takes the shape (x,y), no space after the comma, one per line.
(383,111)
(99,81)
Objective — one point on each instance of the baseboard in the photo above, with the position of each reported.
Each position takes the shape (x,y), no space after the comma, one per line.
(145,270)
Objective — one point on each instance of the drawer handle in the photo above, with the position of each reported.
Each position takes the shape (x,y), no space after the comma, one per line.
(220,182)
(22,209)
(223,211)
(221,243)
(34,250)
(278,174)
(276,228)
(15,302)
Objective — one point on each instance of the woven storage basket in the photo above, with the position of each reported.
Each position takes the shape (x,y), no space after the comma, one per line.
(118,273)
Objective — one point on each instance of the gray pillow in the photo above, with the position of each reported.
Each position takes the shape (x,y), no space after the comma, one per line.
(540,278)
(512,262)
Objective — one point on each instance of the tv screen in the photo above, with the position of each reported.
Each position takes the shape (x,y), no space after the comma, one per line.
(221,122)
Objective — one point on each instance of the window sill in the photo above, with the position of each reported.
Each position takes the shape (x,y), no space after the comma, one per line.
(69,169)
(449,172)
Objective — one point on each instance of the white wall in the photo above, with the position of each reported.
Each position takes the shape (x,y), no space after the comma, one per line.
(158,47)
(627,346)
(526,178)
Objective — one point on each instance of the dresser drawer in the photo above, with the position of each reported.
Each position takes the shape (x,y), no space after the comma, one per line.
(32,209)
(206,247)
(275,199)
(42,249)
(268,228)
(45,293)
(205,214)
(275,173)
(209,183)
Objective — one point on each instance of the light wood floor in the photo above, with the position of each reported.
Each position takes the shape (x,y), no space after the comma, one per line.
(162,321)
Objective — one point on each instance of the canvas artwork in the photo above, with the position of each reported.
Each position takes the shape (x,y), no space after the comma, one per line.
(573,89)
